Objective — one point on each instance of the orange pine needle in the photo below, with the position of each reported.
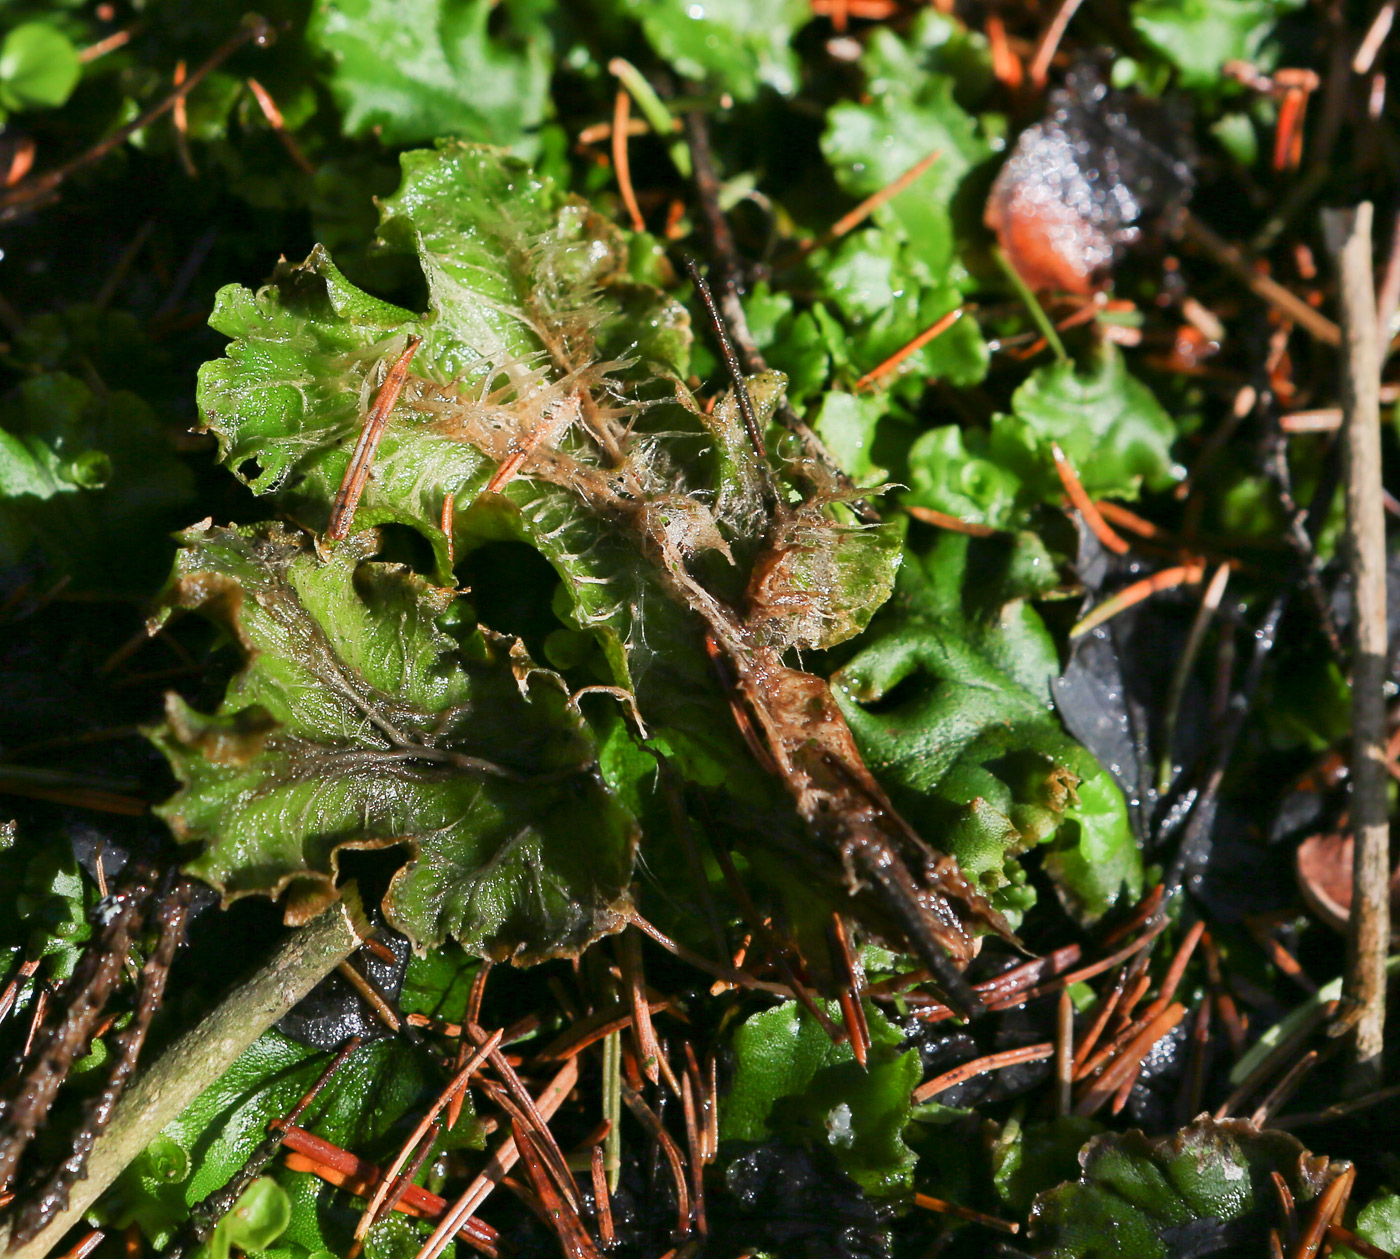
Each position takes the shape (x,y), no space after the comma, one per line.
(352,485)
(87,1245)
(936,329)
(871,10)
(1345,1237)
(992,1062)
(1166,579)
(1288,136)
(458,1085)
(1006,65)
(854,218)
(1331,1203)
(943,521)
(279,125)
(449,505)
(545,429)
(313,1154)
(1178,967)
(1129,1062)
(1128,520)
(22,160)
(602,1199)
(1107,1005)
(117,39)
(1084,504)
(929,1203)
(180,117)
(622,111)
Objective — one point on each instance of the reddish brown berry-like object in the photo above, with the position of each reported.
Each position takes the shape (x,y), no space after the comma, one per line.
(1078,184)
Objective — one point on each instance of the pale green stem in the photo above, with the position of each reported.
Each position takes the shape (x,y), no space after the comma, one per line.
(1023,290)
(201,1056)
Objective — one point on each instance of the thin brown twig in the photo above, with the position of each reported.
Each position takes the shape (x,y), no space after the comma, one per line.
(42,186)
(1064,1054)
(1348,234)
(1270,290)
(1340,1110)
(52,1197)
(28,1096)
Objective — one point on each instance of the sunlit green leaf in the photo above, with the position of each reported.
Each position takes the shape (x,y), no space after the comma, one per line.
(1200,36)
(728,44)
(254,1222)
(39,67)
(791,1081)
(910,115)
(414,72)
